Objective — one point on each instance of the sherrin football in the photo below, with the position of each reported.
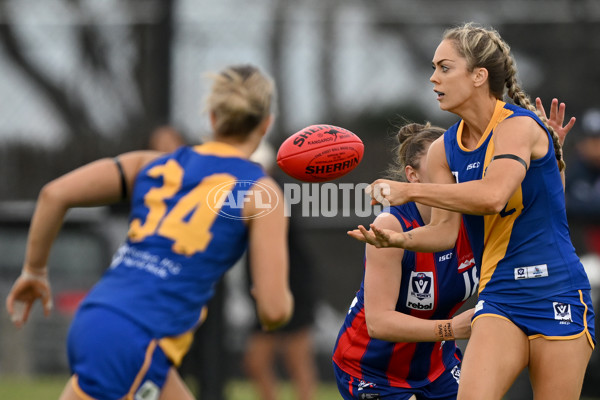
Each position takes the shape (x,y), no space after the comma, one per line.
(320,153)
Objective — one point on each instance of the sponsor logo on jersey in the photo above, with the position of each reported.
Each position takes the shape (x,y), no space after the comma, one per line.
(479,305)
(420,291)
(456,373)
(130,257)
(369,396)
(364,384)
(474,165)
(445,257)
(466,263)
(148,391)
(534,271)
(562,312)
(353,304)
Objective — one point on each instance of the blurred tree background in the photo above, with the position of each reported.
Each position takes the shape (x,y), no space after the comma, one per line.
(84,79)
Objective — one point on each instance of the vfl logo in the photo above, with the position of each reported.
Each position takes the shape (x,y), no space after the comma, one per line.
(420,292)
(421,285)
(562,311)
(533,271)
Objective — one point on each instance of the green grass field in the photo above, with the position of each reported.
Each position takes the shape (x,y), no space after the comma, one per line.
(49,388)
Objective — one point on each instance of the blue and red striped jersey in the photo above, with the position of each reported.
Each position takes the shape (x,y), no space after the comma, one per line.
(433,286)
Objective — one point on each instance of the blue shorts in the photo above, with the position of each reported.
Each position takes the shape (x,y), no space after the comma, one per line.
(111,356)
(445,387)
(561,317)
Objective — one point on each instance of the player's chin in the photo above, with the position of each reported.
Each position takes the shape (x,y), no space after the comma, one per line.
(443,105)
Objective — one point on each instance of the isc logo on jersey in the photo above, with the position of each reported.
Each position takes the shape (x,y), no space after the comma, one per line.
(420,293)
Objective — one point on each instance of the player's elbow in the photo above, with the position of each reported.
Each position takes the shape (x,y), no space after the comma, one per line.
(52,193)
(375,326)
(491,201)
(492,198)
(373,330)
(275,314)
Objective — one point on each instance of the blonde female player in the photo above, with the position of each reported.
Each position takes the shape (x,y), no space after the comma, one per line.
(500,166)
(407,301)
(186,230)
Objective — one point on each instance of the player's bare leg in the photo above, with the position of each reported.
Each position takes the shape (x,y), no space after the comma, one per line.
(69,392)
(495,355)
(299,359)
(557,367)
(174,388)
(258,363)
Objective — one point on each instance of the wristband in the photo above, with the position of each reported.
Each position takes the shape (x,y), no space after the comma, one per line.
(443,331)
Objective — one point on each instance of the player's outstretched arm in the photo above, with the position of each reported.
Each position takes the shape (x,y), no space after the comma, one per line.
(94,184)
(268,247)
(440,234)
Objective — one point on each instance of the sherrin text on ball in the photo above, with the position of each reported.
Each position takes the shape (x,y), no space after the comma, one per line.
(320,153)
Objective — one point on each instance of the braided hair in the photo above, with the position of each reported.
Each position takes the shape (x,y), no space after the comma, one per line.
(483,47)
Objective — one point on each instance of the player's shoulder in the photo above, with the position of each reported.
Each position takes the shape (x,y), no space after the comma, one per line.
(267,183)
(389,218)
(520,125)
(436,154)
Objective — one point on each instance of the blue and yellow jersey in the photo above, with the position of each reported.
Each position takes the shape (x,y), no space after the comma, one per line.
(186,230)
(433,286)
(525,251)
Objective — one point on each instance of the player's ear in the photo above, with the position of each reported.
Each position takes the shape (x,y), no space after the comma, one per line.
(480,76)
(266,124)
(213,119)
(411,174)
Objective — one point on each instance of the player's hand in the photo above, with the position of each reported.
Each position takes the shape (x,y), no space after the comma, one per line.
(28,287)
(387,192)
(377,237)
(557,118)
(461,324)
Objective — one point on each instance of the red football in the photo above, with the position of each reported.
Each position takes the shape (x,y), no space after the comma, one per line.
(320,153)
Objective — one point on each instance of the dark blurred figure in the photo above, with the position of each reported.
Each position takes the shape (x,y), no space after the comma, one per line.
(582,193)
(293,344)
(583,209)
(583,182)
